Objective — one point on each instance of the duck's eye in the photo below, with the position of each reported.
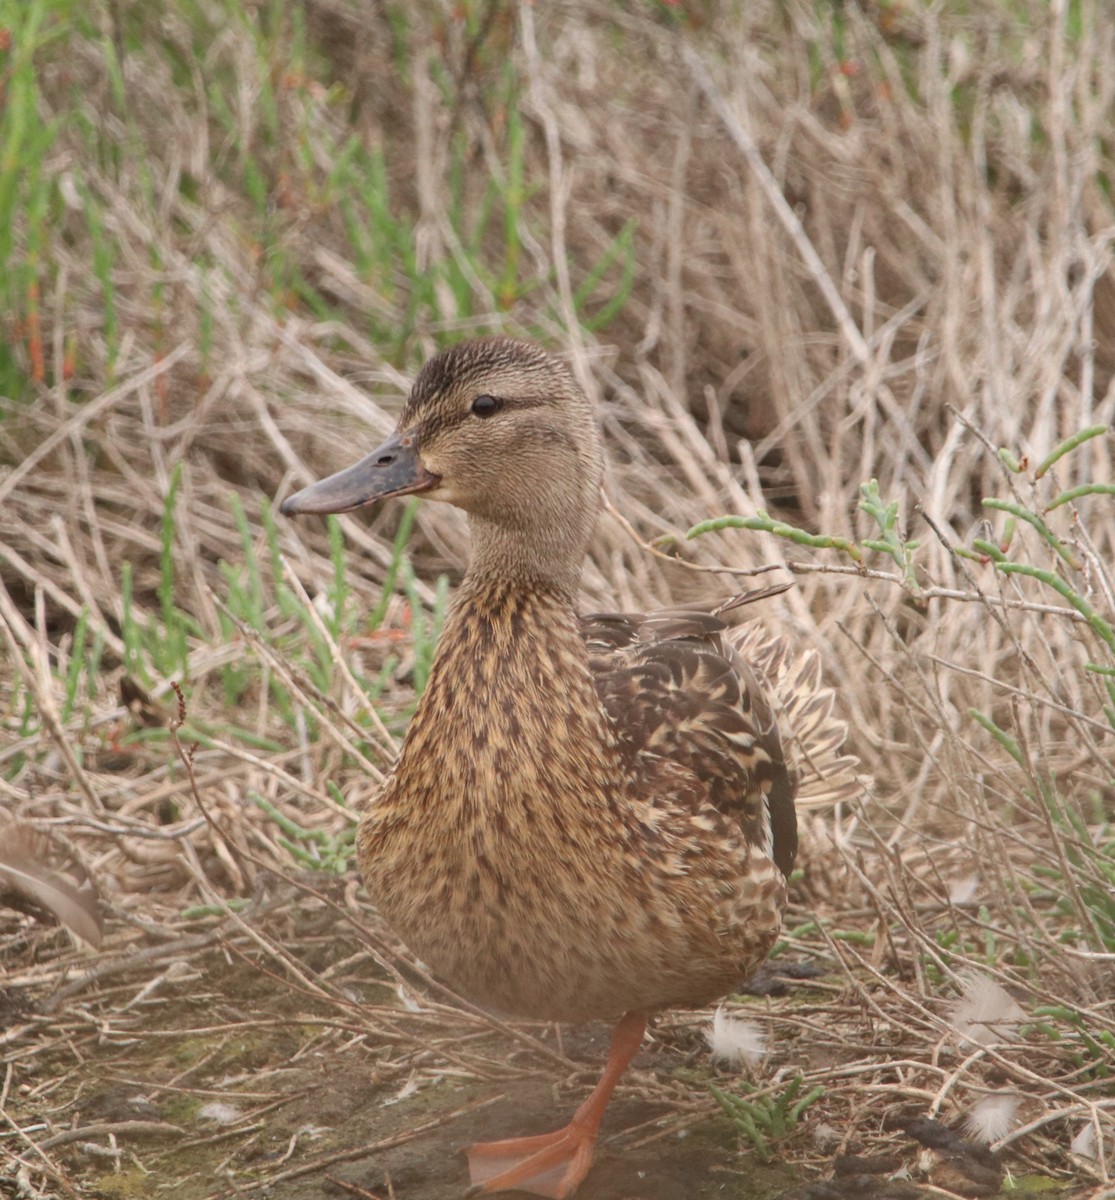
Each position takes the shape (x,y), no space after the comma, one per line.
(485,406)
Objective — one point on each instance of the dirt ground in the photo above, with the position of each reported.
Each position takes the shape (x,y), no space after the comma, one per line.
(202,1073)
(294,1050)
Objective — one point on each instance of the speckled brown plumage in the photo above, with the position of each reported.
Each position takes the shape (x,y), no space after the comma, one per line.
(589,816)
(515,850)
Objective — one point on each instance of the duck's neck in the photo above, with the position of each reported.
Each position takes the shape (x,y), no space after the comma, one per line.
(545,557)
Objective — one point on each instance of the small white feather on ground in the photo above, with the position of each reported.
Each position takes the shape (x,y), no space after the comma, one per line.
(1083,1144)
(984,1012)
(220,1113)
(735,1042)
(992,1118)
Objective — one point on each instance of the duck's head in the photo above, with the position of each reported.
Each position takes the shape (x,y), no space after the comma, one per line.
(498,428)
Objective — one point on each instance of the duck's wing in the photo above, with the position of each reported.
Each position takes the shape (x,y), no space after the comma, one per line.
(693,721)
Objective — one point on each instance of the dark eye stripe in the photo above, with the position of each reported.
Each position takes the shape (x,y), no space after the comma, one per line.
(439,421)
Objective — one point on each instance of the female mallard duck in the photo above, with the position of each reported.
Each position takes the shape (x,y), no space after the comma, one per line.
(590,817)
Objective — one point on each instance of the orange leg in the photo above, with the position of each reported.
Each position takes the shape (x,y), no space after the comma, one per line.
(554,1164)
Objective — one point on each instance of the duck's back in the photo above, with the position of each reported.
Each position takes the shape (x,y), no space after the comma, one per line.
(694,724)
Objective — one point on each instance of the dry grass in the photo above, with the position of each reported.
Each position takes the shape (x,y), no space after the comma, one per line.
(863,243)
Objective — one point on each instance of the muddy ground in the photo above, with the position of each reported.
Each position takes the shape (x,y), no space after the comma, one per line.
(207,1071)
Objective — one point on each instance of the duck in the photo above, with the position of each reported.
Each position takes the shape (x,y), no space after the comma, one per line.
(591,817)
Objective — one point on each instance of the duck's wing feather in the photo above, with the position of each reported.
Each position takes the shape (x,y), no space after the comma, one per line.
(693,721)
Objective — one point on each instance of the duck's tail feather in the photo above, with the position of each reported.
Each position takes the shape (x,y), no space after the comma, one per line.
(812,736)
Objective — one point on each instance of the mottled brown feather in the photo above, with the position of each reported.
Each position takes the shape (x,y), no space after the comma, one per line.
(677,692)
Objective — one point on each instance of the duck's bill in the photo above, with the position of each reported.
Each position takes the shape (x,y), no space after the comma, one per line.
(393,470)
